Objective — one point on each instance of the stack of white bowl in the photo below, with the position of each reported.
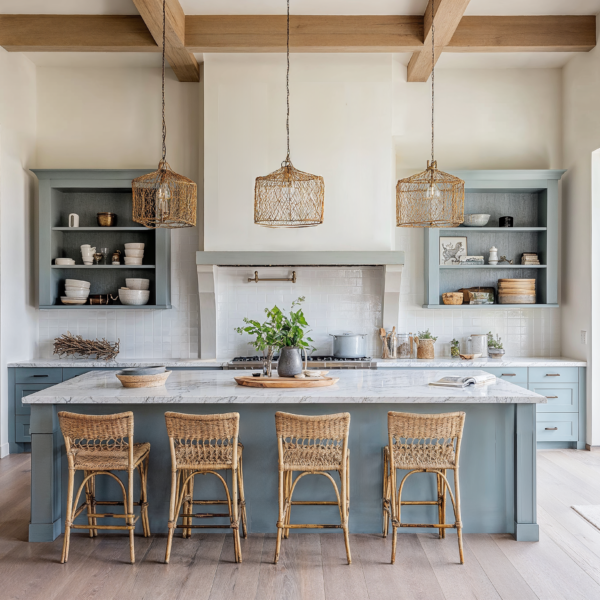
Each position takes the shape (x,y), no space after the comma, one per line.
(134,254)
(136,293)
(65,262)
(76,291)
(87,253)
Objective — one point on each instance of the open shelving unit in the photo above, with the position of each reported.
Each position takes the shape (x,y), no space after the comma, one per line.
(86,193)
(531,198)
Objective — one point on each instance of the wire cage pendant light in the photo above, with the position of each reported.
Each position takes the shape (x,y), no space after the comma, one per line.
(289,197)
(163,199)
(431,198)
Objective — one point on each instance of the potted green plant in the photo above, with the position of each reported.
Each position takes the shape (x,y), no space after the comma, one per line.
(425,342)
(265,340)
(495,347)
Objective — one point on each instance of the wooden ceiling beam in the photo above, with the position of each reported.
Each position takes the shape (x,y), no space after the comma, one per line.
(183,62)
(448,14)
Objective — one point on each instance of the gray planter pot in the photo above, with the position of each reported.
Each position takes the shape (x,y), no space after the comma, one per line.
(290,362)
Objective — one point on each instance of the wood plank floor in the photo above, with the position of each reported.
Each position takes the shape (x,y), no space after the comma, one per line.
(564,564)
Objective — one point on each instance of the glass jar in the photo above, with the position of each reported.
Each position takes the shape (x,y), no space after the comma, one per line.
(403,345)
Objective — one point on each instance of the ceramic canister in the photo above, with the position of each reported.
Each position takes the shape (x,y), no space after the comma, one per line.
(479,344)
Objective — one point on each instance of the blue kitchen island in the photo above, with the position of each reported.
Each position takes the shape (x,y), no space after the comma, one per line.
(497,461)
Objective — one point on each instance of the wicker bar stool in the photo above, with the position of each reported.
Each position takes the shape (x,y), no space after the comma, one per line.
(98,445)
(422,444)
(312,446)
(201,445)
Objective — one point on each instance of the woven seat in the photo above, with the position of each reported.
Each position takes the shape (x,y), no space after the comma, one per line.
(312,446)
(201,445)
(422,444)
(98,445)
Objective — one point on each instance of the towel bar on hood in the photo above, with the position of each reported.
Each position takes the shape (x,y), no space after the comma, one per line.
(256,279)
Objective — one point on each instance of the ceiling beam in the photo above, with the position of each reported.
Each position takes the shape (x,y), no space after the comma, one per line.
(95,33)
(448,14)
(183,63)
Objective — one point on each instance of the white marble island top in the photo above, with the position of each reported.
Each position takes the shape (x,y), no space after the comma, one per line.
(215,387)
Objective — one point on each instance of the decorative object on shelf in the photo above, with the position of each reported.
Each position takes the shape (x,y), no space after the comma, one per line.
(71,345)
(451,249)
(452,298)
(495,347)
(106,219)
(137,284)
(104,252)
(164,199)
(530,258)
(73,220)
(477,344)
(116,257)
(99,299)
(73,301)
(289,197)
(134,297)
(134,254)
(425,344)
(98,256)
(404,343)
(77,283)
(454,348)
(503,259)
(516,291)
(478,295)
(143,381)
(476,220)
(87,254)
(506,221)
(471,260)
(493,258)
(65,262)
(431,198)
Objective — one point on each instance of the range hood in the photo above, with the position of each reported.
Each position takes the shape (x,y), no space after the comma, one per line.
(208,265)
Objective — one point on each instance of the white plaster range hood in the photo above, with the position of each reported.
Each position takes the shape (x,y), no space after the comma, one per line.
(209,263)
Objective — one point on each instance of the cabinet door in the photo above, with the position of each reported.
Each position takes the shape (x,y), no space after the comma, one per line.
(24,389)
(22,429)
(557,427)
(562,397)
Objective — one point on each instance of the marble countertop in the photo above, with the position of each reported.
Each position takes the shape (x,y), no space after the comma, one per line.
(212,387)
(191,363)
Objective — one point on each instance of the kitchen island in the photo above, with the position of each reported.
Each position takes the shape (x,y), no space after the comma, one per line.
(498,471)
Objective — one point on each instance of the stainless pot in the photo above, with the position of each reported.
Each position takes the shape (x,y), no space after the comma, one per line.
(349,345)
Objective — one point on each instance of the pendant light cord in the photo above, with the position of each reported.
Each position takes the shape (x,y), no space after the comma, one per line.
(164,124)
(432,75)
(287,83)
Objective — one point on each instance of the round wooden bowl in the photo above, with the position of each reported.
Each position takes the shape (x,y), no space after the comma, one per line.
(453,298)
(143,381)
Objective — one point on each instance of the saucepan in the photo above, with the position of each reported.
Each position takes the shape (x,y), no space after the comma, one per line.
(349,345)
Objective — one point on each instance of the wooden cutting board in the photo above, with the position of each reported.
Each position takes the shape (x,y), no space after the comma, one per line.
(285,382)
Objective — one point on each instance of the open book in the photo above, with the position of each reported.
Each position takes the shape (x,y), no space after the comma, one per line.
(463,382)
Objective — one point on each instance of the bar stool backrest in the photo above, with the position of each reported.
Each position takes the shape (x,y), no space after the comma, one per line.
(203,437)
(428,438)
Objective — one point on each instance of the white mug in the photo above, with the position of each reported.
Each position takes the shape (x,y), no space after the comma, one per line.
(73,220)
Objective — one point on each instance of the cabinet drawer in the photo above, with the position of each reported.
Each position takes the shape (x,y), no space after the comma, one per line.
(562,397)
(557,427)
(31,375)
(518,375)
(70,372)
(22,433)
(24,389)
(546,374)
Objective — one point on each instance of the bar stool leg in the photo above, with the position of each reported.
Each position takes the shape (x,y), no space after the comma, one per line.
(65,552)
(345,502)
(242,499)
(93,488)
(172,516)
(190,508)
(143,469)
(443,500)
(130,519)
(457,517)
(280,521)
(89,502)
(385,496)
(235,514)
(439,504)
(395,506)
(288,478)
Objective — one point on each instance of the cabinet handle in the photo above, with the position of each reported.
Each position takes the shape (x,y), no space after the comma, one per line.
(508,375)
(552,375)
(552,397)
(39,375)
(551,428)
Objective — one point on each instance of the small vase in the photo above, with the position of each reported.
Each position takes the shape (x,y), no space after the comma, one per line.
(425,348)
(267,361)
(290,362)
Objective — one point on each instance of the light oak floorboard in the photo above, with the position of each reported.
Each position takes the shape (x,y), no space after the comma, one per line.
(342,581)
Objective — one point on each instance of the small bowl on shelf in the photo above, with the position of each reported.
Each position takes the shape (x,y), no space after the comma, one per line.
(132,261)
(107,219)
(77,283)
(137,284)
(453,298)
(77,293)
(134,246)
(134,297)
(64,261)
(476,220)
(134,253)
(74,301)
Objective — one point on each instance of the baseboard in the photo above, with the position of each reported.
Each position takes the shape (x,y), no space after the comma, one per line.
(527,532)
(592,448)
(4,450)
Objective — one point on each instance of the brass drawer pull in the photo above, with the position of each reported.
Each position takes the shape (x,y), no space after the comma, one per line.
(508,375)
(551,428)
(551,397)
(552,374)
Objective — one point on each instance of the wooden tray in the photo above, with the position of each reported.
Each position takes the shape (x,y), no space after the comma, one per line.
(285,382)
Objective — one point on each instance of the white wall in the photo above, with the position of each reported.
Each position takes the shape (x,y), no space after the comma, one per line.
(111,118)
(18,248)
(580,217)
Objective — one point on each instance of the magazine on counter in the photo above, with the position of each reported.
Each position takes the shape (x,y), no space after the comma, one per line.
(463,382)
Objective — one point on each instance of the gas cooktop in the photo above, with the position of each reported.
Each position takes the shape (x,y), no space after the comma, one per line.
(255,362)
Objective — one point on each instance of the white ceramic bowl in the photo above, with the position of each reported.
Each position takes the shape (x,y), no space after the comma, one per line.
(64,261)
(74,288)
(134,246)
(134,297)
(476,220)
(77,293)
(134,253)
(132,261)
(137,284)
(76,301)
(77,282)
(88,262)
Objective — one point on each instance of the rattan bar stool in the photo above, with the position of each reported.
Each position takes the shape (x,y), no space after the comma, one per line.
(422,444)
(312,446)
(201,445)
(98,445)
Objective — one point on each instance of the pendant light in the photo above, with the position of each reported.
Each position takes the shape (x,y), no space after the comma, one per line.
(431,198)
(164,199)
(289,197)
